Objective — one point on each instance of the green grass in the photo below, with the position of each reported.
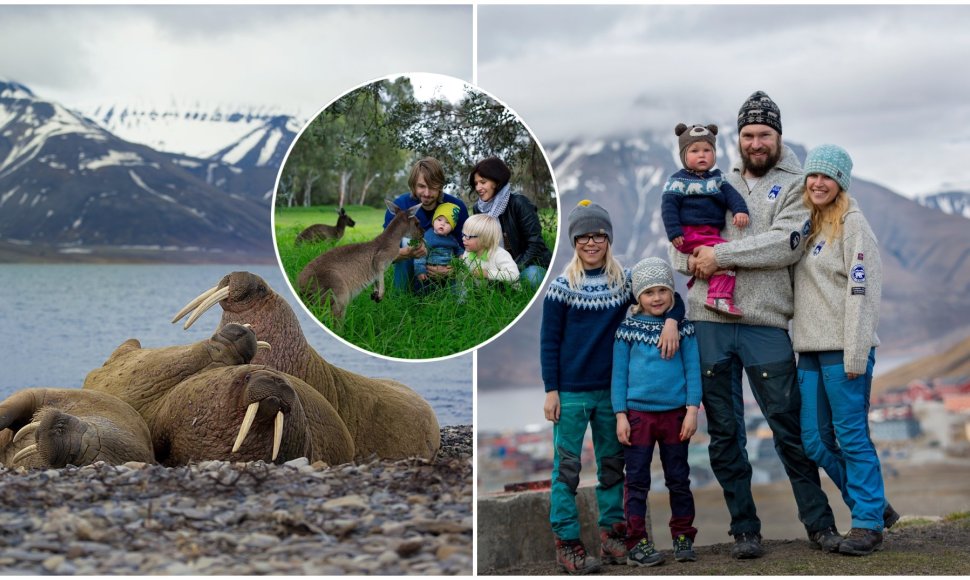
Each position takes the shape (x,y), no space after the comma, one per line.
(402,325)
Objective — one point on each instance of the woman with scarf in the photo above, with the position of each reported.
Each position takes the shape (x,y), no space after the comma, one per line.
(517,215)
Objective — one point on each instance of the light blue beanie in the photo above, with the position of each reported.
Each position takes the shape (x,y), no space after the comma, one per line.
(830,160)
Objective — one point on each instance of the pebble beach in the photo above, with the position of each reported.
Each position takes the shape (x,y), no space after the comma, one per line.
(406,517)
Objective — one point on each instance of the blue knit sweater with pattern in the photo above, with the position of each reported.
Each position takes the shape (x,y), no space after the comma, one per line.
(691,199)
(578,328)
(642,380)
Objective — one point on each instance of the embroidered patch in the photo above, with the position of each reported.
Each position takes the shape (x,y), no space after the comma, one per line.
(795,239)
(858,273)
(807,227)
(775,190)
(818,248)
(858,291)
(859,257)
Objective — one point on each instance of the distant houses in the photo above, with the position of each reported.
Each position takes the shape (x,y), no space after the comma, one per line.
(933,412)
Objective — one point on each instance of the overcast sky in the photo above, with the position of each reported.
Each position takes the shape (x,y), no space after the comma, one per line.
(296,58)
(888,83)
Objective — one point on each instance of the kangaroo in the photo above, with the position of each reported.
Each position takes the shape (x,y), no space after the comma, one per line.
(318,232)
(346,270)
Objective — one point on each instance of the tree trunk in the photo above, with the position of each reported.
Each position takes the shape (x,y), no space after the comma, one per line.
(363,191)
(344,181)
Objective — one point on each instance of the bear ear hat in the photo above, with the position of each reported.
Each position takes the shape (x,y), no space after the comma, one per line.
(712,129)
(679,129)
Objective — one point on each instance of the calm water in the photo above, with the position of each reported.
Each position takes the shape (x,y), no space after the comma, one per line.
(58,322)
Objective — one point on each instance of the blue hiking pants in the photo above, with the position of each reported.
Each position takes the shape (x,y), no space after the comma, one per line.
(835,432)
(579,410)
(765,353)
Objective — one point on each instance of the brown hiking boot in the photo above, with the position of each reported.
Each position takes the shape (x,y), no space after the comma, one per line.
(571,558)
(613,544)
(861,542)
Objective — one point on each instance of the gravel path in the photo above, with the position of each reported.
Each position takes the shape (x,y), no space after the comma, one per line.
(375,517)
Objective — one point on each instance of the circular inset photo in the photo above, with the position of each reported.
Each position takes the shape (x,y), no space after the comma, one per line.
(415,217)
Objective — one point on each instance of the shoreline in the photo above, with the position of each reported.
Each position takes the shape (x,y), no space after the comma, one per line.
(409,516)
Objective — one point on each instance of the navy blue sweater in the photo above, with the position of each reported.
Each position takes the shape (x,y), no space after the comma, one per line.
(578,330)
(690,199)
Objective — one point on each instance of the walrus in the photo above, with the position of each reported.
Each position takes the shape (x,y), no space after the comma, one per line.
(384,417)
(49,427)
(204,401)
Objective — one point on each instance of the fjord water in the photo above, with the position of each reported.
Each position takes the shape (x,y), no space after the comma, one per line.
(58,322)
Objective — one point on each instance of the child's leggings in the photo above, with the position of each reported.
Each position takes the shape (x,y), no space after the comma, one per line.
(720,285)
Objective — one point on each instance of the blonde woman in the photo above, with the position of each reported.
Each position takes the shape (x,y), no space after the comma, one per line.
(838,283)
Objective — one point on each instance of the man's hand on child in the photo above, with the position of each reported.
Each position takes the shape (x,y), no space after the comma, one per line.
(623,428)
(669,339)
(741,220)
(689,427)
(551,406)
(678,241)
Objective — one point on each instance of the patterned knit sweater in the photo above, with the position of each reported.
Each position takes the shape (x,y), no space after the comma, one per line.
(642,380)
(838,286)
(578,328)
(761,252)
(691,199)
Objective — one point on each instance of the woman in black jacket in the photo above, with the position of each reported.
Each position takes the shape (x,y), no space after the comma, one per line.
(521,230)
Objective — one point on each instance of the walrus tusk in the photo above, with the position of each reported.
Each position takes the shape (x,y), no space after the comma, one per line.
(27,429)
(277,434)
(213,299)
(25,452)
(263,344)
(246,424)
(195,302)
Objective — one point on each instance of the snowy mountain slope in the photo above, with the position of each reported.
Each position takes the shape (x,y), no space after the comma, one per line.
(950,202)
(66,182)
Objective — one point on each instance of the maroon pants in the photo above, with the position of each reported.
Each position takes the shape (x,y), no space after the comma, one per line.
(646,429)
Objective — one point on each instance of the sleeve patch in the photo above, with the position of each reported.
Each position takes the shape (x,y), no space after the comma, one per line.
(807,228)
(795,239)
(860,256)
(858,290)
(858,273)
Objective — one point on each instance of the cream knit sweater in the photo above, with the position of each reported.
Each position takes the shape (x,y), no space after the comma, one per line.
(838,285)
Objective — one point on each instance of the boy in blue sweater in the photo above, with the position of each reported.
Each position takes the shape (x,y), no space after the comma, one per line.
(655,401)
(693,208)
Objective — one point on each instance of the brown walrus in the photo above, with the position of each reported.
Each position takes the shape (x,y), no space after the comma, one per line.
(384,417)
(203,401)
(58,427)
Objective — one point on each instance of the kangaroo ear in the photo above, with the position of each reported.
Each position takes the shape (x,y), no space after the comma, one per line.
(413,210)
(391,207)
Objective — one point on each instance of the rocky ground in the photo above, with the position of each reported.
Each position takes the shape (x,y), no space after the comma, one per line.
(913,547)
(215,517)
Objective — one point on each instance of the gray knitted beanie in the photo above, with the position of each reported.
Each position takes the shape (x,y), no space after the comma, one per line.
(692,134)
(651,272)
(588,217)
(830,160)
(759,109)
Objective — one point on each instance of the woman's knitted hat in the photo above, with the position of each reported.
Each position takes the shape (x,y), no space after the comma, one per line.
(588,217)
(830,160)
(449,211)
(651,272)
(759,109)
(693,134)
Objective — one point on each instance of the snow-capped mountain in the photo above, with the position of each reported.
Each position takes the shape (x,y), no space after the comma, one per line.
(70,185)
(951,202)
(925,253)
(242,147)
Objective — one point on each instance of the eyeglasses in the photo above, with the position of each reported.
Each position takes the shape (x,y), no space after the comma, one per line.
(467,237)
(598,238)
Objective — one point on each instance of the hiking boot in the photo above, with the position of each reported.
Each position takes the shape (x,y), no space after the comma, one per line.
(861,542)
(747,545)
(723,306)
(827,539)
(684,549)
(571,557)
(613,544)
(644,554)
(889,516)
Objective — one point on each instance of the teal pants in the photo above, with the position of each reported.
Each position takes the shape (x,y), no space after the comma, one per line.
(579,410)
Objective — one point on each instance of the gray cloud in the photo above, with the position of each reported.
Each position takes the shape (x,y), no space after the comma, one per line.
(880,80)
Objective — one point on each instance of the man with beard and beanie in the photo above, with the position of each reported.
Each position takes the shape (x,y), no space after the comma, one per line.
(770,179)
